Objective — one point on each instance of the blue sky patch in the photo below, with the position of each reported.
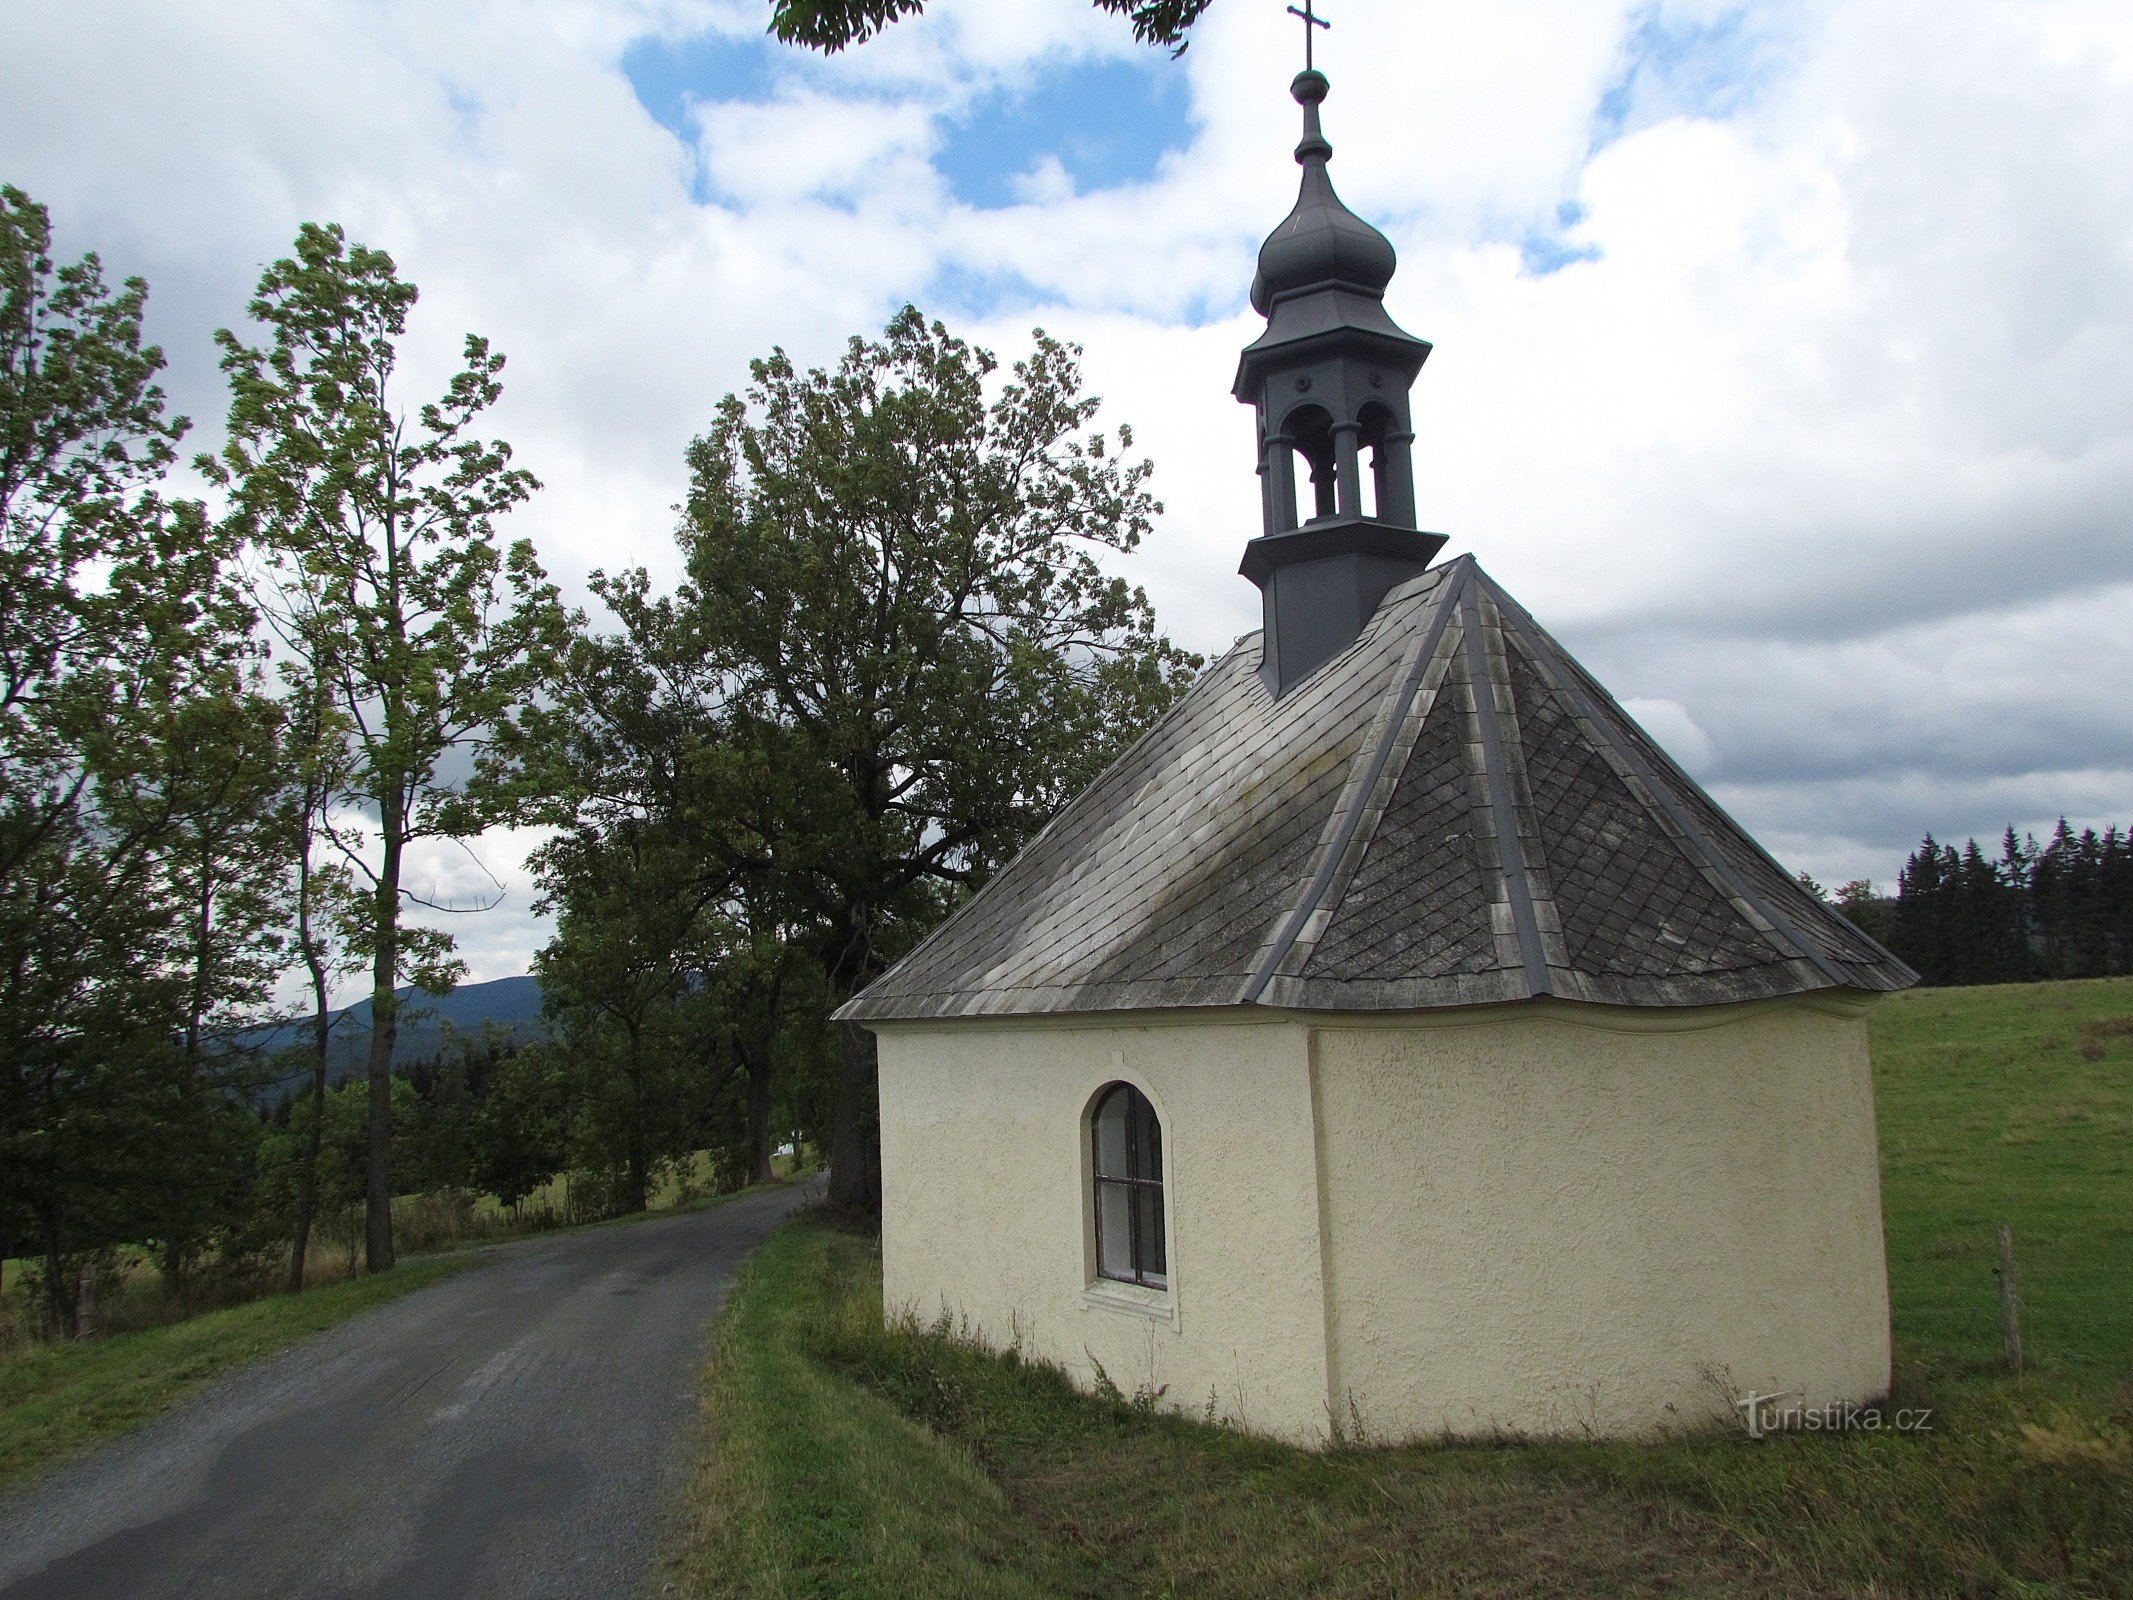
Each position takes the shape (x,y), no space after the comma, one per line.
(1543,253)
(1107,123)
(957,291)
(1683,67)
(1545,250)
(668,74)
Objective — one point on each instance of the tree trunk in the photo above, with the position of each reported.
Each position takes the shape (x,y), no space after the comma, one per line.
(759,1117)
(855,1146)
(307,1165)
(85,1303)
(640,1164)
(384,1029)
(182,1221)
(58,1302)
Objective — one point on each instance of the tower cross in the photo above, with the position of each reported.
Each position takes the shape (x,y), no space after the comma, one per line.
(1311,20)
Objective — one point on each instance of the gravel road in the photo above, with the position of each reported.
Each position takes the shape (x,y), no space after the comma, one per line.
(521,1430)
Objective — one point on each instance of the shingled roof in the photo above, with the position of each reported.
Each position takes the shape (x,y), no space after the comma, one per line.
(1384,837)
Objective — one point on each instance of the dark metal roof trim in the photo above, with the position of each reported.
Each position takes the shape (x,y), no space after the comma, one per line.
(1450,588)
(1685,825)
(1510,852)
(1323,538)
(853,1010)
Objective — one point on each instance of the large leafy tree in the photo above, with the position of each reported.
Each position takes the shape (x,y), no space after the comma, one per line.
(218,784)
(639,922)
(894,572)
(830,25)
(115,626)
(671,935)
(97,575)
(377,530)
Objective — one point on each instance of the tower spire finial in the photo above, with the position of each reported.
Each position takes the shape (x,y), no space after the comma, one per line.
(1311,21)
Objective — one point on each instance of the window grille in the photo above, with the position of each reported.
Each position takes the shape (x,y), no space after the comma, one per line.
(1126,1143)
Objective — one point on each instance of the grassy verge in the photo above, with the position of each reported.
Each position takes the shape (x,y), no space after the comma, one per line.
(851,1461)
(58,1399)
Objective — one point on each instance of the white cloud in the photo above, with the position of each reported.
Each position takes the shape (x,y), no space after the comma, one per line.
(1669,722)
(814,145)
(1045,184)
(1829,447)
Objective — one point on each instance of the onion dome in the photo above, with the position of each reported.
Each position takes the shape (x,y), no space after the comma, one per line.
(1321,243)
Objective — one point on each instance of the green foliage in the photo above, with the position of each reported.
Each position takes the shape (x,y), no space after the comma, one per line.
(521,1134)
(134,915)
(383,577)
(1865,909)
(898,649)
(902,579)
(830,25)
(639,921)
(919,655)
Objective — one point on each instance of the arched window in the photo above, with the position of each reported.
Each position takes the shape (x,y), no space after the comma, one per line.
(1126,1144)
(1310,432)
(1377,423)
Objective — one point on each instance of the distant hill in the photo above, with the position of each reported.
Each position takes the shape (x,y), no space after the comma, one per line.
(510,1005)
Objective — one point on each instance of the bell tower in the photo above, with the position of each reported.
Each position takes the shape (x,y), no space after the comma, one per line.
(1329,380)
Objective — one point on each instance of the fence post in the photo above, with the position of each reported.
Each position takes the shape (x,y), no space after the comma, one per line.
(2010,1300)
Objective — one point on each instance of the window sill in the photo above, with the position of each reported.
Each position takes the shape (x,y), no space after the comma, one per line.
(1106,1294)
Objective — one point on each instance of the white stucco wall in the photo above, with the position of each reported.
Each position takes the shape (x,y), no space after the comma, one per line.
(984,1177)
(1557,1219)
(1545,1218)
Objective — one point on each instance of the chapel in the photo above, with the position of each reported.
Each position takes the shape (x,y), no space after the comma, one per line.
(1395,1042)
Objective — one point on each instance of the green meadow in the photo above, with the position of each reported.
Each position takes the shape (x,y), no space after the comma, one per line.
(843,1460)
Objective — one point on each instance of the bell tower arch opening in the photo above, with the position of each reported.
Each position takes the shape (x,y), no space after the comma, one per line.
(1329,380)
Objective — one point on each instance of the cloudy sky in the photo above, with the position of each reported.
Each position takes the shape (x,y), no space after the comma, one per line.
(1784,351)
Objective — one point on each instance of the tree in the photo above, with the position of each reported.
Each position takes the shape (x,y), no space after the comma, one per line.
(327,911)
(830,25)
(521,1134)
(916,654)
(377,530)
(1865,909)
(638,925)
(1985,932)
(217,779)
(114,614)
(83,535)
(670,925)
(1920,931)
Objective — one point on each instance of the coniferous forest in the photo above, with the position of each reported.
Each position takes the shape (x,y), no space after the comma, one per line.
(2060,909)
